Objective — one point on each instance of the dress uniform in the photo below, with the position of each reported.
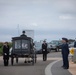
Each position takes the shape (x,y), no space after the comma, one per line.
(6,54)
(44,50)
(65,53)
(75,44)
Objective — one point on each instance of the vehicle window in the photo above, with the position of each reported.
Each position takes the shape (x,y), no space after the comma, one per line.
(54,42)
(18,44)
(38,44)
(25,44)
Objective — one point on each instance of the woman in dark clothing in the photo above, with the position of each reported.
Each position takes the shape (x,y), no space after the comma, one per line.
(6,53)
(65,53)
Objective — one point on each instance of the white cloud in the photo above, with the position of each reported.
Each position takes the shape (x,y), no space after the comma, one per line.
(19,2)
(34,24)
(66,17)
(65,4)
(39,15)
(4,38)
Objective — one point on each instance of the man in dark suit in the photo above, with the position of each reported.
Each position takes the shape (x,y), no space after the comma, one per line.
(6,53)
(44,50)
(65,53)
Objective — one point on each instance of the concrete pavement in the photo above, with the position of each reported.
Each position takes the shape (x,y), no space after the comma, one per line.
(58,70)
(55,68)
(72,68)
(24,68)
(49,67)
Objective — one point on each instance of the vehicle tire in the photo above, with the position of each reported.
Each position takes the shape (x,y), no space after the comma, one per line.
(12,60)
(16,59)
(57,50)
(35,58)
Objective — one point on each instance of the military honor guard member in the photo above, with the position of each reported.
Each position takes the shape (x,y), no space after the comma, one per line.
(65,53)
(44,50)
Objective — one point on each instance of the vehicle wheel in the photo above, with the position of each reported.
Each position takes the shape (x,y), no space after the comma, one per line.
(50,50)
(57,49)
(32,60)
(4,63)
(16,59)
(12,60)
(35,58)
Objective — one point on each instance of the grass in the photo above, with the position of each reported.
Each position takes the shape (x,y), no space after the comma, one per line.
(1,51)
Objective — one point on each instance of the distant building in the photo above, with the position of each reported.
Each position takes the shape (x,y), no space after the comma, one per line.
(29,33)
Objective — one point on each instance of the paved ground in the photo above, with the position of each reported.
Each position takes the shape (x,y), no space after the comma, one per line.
(72,68)
(53,54)
(38,69)
(24,69)
(58,70)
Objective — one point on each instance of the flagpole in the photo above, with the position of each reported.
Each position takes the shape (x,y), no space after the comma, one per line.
(18,29)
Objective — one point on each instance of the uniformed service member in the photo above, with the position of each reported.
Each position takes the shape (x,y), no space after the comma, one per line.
(65,53)
(44,50)
(6,53)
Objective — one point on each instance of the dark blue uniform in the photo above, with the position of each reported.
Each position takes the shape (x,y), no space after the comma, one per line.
(65,53)
(44,51)
(75,44)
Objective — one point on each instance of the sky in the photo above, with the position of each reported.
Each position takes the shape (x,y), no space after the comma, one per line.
(50,19)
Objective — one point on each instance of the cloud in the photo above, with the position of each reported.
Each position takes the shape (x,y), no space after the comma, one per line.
(23,2)
(65,4)
(54,34)
(4,38)
(64,7)
(66,17)
(34,24)
(47,17)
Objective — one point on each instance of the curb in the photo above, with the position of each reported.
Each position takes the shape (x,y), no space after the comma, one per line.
(48,68)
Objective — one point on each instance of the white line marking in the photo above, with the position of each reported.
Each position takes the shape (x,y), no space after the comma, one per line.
(48,68)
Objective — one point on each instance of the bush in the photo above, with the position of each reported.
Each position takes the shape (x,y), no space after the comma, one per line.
(1,51)
(1,46)
(10,44)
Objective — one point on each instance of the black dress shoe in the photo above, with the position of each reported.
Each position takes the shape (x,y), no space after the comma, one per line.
(66,68)
(62,66)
